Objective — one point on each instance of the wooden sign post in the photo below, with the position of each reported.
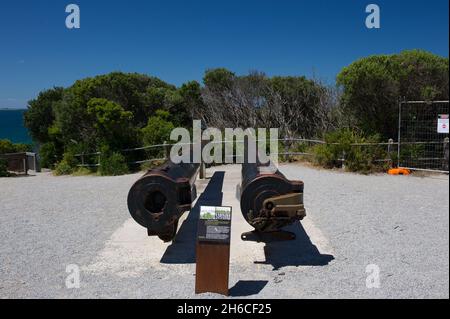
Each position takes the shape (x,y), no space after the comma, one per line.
(213,250)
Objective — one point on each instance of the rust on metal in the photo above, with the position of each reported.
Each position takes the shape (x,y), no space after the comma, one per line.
(160,197)
(269,201)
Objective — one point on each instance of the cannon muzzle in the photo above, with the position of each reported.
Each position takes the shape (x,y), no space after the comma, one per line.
(160,197)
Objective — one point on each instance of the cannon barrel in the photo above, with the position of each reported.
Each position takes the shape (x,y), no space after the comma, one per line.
(159,198)
(269,201)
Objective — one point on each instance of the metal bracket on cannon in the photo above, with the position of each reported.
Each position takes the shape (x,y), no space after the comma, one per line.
(284,207)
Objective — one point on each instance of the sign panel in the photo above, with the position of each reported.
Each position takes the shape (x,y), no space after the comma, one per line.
(214,224)
(213,250)
(443,124)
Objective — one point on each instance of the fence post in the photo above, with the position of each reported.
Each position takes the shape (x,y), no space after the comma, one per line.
(446,153)
(286,149)
(202,173)
(82,160)
(25,165)
(389,151)
(343,160)
(37,167)
(166,150)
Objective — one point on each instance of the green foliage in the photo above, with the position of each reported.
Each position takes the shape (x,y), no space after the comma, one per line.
(192,98)
(219,79)
(3,168)
(135,93)
(49,155)
(373,86)
(81,171)
(157,132)
(40,114)
(300,95)
(6,146)
(67,165)
(111,122)
(358,158)
(158,129)
(125,110)
(107,110)
(63,168)
(112,163)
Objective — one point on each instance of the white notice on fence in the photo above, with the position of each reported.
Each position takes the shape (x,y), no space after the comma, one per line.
(443,124)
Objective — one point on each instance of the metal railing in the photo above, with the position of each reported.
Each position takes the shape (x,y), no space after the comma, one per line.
(287,153)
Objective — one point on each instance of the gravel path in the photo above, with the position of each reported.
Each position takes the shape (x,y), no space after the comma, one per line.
(399,225)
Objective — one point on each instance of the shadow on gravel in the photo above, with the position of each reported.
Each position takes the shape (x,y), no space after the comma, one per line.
(244,288)
(298,252)
(182,249)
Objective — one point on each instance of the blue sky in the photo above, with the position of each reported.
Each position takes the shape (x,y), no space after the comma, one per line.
(178,40)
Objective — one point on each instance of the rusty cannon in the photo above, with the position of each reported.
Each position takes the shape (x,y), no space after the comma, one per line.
(159,198)
(269,201)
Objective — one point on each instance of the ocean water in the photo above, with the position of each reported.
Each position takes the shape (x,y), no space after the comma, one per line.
(12,128)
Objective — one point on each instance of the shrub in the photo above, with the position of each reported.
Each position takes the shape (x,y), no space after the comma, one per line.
(48,155)
(67,166)
(372,87)
(3,168)
(6,146)
(112,163)
(82,171)
(63,168)
(357,158)
(156,132)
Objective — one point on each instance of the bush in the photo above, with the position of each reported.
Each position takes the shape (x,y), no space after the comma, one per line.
(112,163)
(372,87)
(82,171)
(67,166)
(48,155)
(3,168)
(357,158)
(63,168)
(156,132)
(6,146)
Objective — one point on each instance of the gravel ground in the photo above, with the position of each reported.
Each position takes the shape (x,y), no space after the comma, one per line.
(397,224)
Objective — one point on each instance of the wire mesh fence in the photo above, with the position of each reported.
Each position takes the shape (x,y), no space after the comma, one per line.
(423,135)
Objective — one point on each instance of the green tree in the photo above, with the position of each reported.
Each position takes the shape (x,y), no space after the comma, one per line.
(303,110)
(40,114)
(111,122)
(6,146)
(112,163)
(219,79)
(3,168)
(373,86)
(158,129)
(192,99)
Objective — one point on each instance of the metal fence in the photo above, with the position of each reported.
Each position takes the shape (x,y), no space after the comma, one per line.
(423,135)
(288,148)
